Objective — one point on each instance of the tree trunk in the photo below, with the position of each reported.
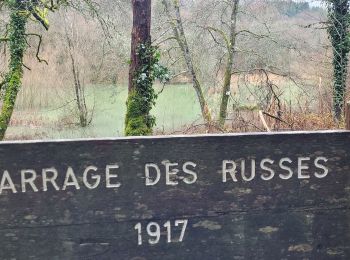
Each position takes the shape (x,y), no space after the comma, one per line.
(17,46)
(347,116)
(338,12)
(79,93)
(141,95)
(141,34)
(180,37)
(229,65)
(78,87)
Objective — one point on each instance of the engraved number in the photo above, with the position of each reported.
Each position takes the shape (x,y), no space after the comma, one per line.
(153,230)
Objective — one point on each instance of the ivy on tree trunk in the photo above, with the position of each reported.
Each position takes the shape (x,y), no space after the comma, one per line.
(142,96)
(339,21)
(17,45)
(20,12)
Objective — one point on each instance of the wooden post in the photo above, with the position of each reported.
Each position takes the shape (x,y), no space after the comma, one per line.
(347,115)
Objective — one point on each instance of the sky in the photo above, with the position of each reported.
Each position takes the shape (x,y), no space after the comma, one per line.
(315,3)
(312,2)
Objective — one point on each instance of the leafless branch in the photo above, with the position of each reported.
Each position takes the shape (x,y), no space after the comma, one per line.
(38,47)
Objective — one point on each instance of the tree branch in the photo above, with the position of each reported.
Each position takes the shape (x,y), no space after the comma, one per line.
(258,36)
(40,19)
(222,33)
(26,67)
(38,47)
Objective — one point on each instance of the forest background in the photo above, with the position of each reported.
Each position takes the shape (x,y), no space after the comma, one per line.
(281,75)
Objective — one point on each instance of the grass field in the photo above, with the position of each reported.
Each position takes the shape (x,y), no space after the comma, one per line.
(48,114)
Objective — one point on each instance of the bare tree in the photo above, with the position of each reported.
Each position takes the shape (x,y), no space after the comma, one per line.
(21,12)
(79,88)
(230,43)
(176,24)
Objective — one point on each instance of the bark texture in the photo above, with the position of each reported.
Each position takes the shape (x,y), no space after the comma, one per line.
(141,34)
(229,65)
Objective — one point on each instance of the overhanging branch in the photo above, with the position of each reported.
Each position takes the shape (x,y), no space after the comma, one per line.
(38,47)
